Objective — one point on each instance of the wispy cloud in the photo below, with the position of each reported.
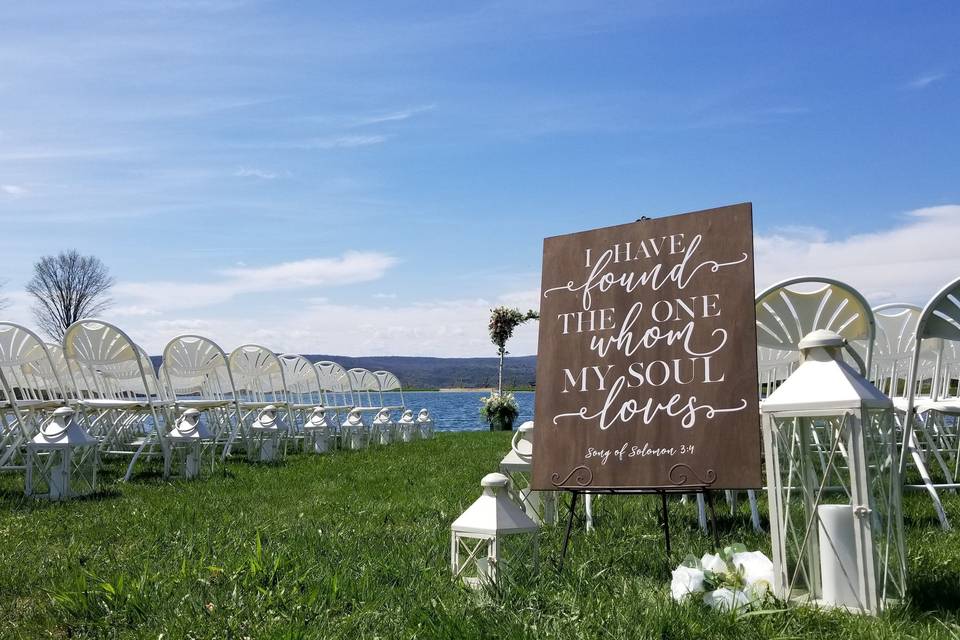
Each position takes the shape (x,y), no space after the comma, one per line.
(13,190)
(393,116)
(252,172)
(337,142)
(924,80)
(352,267)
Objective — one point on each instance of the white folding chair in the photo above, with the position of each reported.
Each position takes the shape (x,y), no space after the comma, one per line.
(335,387)
(390,384)
(788,311)
(366,389)
(892,360)
(303,390)
(937,415)
(262,391)
(123,405)
(30,390)
(197,376)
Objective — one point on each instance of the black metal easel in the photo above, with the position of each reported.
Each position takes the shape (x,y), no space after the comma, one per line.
(664,514)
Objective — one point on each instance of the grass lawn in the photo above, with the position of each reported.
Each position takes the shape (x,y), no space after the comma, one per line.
(356,544)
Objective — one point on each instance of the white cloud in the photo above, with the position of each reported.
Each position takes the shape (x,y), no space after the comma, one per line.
(351,267)
(924,80)
(245,172)
(384,296)
(394,116)
(340,142)
(435,328)
(906,263)
(12,190)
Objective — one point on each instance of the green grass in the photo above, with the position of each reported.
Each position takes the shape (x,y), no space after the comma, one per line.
(355,545)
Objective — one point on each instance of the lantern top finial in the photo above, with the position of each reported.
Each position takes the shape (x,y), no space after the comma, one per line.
(494,481)
(821,338)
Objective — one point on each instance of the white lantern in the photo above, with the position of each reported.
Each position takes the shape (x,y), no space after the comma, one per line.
(833,484)
(318,431)
(425,422)
(62,459)
(493,539)
(353,431)
(541,506)
(407,427)
(191,444)
(383,426)
(267,436)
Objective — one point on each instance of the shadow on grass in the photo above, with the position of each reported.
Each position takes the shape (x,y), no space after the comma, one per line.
(939,594)
(16,501)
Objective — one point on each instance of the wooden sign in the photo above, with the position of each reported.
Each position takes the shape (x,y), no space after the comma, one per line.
(647,361)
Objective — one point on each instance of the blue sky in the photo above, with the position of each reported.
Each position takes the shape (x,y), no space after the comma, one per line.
(370,178)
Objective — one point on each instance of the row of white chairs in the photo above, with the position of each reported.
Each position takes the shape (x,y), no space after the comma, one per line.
(910,353)
(252,400)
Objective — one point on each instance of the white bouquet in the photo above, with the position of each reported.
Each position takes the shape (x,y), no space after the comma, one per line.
(732,580)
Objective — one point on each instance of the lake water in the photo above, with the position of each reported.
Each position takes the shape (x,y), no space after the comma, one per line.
(458,411)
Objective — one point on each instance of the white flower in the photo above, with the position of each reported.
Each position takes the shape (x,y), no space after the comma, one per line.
(724,599)
(686,580)
(757,572)
(714,563)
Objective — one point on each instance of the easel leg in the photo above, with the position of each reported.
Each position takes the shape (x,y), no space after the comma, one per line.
(665,521)
(566,536)
(713,520)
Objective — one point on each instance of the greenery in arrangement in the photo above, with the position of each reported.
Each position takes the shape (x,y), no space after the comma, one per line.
(503,322)
(499,410)
(356,545)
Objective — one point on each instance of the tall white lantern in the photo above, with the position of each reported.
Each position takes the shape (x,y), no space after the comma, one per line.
(407,427)
(493,539)
(267,436)
(353,431)
(62,459)
(833,484)
(191,446)
(383,426)
(425,422)
(318,432)
(541,506)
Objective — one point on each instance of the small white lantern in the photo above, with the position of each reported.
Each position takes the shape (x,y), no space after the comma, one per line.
(493,539)
(317,431)
(383,426)
(425,422)
(833,484)
(191,443)
(62,459)
(353,431)
(267,435)
(541,506)
(407,427)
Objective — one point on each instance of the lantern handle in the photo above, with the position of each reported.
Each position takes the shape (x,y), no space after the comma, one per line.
(856,357)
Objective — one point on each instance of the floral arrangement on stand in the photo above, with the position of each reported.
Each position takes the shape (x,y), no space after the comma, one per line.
(499,410)
(733,580)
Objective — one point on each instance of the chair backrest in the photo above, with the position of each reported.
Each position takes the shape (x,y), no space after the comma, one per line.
(109,363)
(791,309)
(773,367)
(196,367)
(940,321)
(257,374)
(893,348)
(364,385)
(389,383)
(27,367)
(335,384)
(303,382)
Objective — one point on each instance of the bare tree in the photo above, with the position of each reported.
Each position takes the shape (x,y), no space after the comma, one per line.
(67,287)
(4,302)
